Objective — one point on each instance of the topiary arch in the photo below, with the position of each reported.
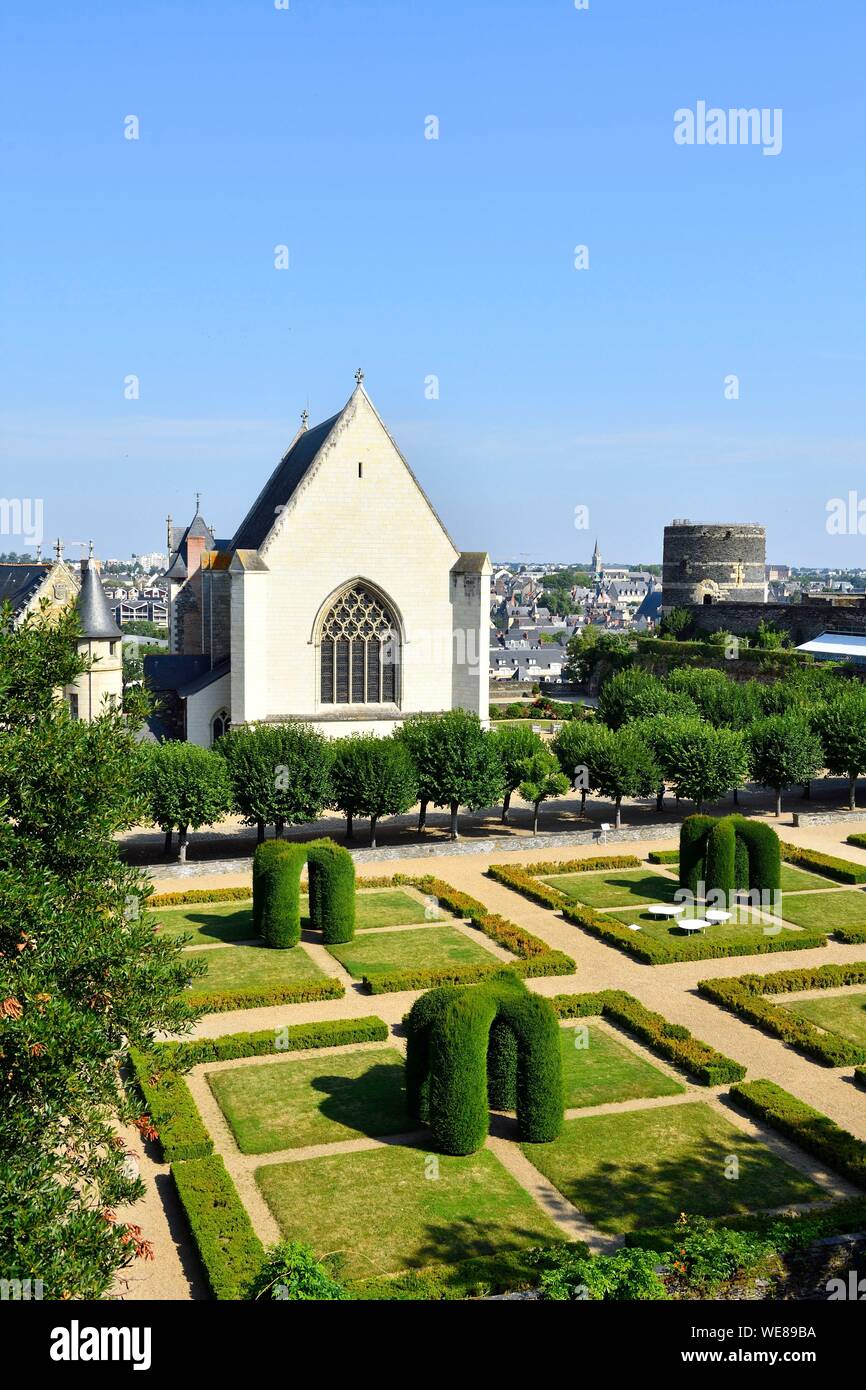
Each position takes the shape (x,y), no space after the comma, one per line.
(476,1046)
(727,853)
(277,867)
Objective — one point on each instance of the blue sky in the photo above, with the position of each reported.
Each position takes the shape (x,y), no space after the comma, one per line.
(558,387)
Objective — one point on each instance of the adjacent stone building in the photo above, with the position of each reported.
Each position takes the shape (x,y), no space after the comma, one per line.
(705,564)
(340,600)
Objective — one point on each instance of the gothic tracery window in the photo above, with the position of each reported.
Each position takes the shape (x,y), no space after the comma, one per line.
(359,650)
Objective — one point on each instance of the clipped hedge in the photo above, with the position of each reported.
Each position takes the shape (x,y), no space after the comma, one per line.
(450,1033)
(553,963)
(229,1248)
(842,870)
(728,852)
(296,1037)
(671,1041)
(812,1131)
(663,856)
(199,895)
(301,992)
(180,1129)
(584,866)
(506,934)
(332,891)
(277,893)
(858,840)
(745,996)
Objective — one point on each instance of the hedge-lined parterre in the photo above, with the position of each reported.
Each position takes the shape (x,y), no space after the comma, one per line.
(812,1131)
(842,870)
(229,1248)
(745,996)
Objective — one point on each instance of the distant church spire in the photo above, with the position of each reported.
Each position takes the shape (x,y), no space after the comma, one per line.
(596,560)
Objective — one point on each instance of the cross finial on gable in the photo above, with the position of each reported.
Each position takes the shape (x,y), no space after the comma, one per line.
(58,549)
(305,415)
(359,376)
(197,503)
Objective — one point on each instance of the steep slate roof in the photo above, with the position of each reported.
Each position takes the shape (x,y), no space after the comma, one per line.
(19,582)
(282,483)
(172,671)
(221,669)
(179,537)
(93,610)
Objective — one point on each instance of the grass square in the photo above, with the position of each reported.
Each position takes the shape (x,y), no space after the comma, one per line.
(615,888)
(842,1013)
(253,967)
(642,1168)
(794,880)
(432,949)
(389,1209)
(216,922)
(744,928)
(313,1100)
(607,1070)
(825,911)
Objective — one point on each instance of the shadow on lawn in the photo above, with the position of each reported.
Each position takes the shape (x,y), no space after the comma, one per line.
(373,1103)
(466,1237)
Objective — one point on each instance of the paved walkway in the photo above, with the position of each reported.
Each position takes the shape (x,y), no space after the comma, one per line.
(669,989)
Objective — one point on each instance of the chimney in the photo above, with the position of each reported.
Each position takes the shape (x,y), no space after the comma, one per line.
(194,552)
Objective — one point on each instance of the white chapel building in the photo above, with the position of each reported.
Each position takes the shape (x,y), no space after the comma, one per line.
(340,600)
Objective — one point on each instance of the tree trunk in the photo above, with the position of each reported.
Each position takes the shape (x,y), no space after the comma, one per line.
(583,801)
(167,846)
(807,791)
(279,826)
(422,816)
(260,832)
(350,825)
(618,820)
(506,804)
(660,798)
(373,820)
(736,796)
(454,810)
(778,801)
(182,838)
(535,806)
(852,792)
(699,806)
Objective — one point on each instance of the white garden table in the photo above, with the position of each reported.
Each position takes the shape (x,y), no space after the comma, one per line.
(695,924)
(665,909)
(715,914)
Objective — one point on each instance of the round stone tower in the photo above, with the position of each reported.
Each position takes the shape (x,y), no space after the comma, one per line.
(718,563)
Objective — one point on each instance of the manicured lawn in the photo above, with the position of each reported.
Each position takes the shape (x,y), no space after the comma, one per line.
(641,1169)
(607,1070)
(615,888)
(385,952)
(391,908)
(209,922)
(824,911)
(390,1209)
(793,880)
(313,1100)
(253,967)
(743,928)
(843,1013)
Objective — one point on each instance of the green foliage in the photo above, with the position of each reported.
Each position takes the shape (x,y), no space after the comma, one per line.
(783,751)
(279,772)
(663,856)
(187,787)
(513,744)
(548,964)
(463,766)
(842,870)
(635,694)
(701,762)
(621,764)
(277,893)
(291,1272)
(626,1276)
(708,1256)
(372,777)
(230,1250)
(727,853)
(811,1130)
(447,1062)
(332,891)
(300,992)
(541,779)
(841,725)
(172,1110)
(82,971)
(592,647)
(676,624)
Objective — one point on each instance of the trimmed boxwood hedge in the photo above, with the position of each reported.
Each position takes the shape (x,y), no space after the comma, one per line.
(230,1250)
(174,1113)
(745,996)
(858,839)
(671,1041)
(812,1131)
(301,992)
(450,1032)
(663,856)
(277,893)
(332,891)
(842,870)
(584,866)
(728,852)
(553,963)
(199,895)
